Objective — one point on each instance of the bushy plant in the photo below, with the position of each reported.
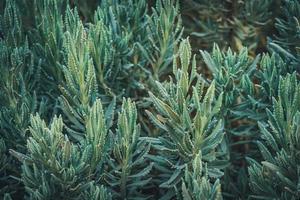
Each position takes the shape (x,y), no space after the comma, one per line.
(159,99)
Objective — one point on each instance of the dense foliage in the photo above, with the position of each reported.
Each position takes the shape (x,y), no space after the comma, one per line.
(160,99)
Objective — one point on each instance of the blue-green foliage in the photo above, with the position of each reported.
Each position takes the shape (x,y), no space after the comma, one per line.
(188,119)
(277,176)
(111,99)
(287,41)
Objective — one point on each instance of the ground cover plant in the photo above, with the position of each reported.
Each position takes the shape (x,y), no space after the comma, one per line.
(160,99)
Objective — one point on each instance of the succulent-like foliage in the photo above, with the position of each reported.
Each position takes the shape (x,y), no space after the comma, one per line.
(163,20)
(129,167)
(47,37)
(130,125)
(277,176)
(96,192)
(78,169)
(232,73)
(272,67)
(287,41)
(80,87)
(19,85)
(196,184)
(56,168)
(188,118)
(79,71)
